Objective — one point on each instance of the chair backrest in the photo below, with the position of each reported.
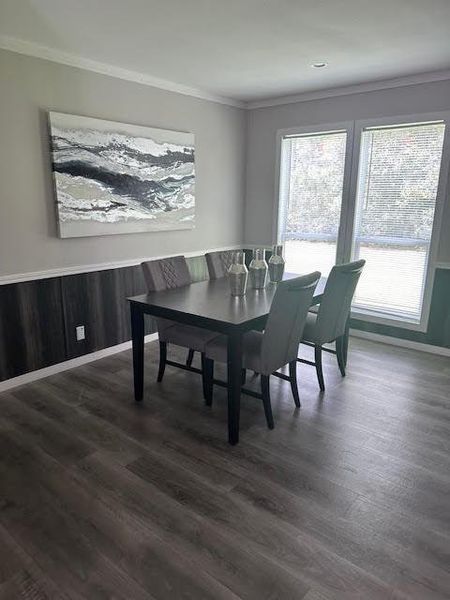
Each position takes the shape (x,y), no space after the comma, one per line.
(337,298)
(219,263)
(166,273)
(198,268)
(286,321)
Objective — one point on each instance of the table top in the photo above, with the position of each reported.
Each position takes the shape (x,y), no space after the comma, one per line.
(210,303)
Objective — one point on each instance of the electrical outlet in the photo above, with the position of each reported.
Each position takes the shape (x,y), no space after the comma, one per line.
(81,334)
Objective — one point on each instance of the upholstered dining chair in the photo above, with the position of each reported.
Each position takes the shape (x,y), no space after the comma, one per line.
(330,322)
(265,352)
(164,274)
(219,263)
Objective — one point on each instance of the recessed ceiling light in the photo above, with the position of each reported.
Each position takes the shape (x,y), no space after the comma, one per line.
(319,65)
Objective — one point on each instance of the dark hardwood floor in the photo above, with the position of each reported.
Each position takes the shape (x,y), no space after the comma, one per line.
(348,497)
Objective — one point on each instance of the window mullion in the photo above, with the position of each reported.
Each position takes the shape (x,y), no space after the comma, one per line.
(344,242)
(285,169)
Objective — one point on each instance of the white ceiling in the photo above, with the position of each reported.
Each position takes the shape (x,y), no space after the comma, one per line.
(243,49)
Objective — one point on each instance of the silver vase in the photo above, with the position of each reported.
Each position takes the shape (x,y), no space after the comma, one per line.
(258,269)
(238,274)
(276,264)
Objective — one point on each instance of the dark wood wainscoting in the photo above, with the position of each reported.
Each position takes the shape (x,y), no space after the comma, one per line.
(98,301)
(38,319)
(31,326)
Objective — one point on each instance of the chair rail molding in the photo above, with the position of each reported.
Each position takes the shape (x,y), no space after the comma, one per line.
(78,269)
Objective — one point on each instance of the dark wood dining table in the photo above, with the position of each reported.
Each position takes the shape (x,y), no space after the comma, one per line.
(207,304)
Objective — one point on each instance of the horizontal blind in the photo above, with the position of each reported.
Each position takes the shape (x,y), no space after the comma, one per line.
(397,188)
(311,183)
(316,176)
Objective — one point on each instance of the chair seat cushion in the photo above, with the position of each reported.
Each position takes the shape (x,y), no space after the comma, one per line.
(310,330)
(217,349)
(187,336)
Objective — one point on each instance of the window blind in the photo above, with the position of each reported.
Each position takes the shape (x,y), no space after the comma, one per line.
(311,197)
(396,196)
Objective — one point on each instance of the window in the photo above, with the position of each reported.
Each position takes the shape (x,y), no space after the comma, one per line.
(313,166)
(386,215)
(396,198)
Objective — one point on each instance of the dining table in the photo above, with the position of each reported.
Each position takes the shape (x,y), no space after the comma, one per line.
(209,305)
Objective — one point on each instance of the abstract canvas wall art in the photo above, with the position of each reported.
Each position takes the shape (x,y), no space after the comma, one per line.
(117,178)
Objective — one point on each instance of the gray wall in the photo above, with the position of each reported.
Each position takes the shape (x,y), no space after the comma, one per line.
(29,88)
(263,124)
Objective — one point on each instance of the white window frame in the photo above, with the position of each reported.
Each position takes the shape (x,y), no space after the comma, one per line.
(350,185)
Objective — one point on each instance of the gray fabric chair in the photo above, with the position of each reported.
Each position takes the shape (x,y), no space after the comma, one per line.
(330,322)
(219,263)
(164,274)
(275,347)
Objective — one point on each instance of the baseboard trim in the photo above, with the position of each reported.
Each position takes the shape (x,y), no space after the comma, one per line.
(68,364)
(393,341)
(93,356)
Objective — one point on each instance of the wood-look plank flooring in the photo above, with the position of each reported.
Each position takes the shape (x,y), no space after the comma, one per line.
(348,497)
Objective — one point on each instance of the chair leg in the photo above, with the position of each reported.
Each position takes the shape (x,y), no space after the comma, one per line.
(203,360)
(340,354)
(345,340)
(208,380)
(265,390)
(162,360)
(244,376)
(190,358)
(319,371)
(293,381)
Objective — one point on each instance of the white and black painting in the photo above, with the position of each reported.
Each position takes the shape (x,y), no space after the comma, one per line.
(117,178)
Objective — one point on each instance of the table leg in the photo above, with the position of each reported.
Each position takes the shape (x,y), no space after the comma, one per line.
(234,385)
(137,336)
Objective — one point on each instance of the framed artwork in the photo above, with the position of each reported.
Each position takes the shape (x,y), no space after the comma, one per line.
(116,178)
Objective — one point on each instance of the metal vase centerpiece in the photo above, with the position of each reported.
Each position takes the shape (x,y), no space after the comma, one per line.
(258,269)
(238,274)
(276,264)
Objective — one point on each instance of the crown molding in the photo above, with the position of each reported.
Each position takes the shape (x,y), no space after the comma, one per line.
(19,46)
(65,58)
(371,86)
